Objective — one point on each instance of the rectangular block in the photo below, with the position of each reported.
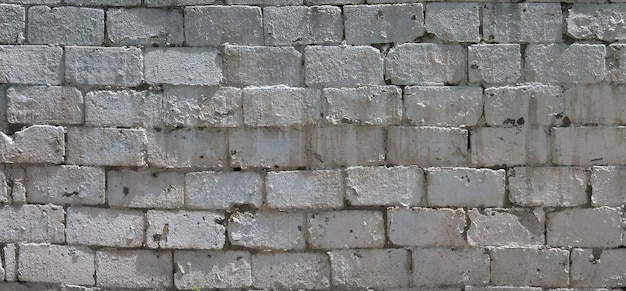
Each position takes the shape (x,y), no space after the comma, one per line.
(123,108)
(169,3)
(509,228)
(347,145)
(134,269)
(65,185)
(106,146)
(145,26)
(184,230)
(65,25)
(187,106)
(217,25)
(115,3)
(31,64)
(183,66)
(34,144)
(425,227)
(588,227)
(388,23)
(522,22)
(494,63)
(301,25)
(427,146)
(527,104)
(376,186)
(187,148)
(14,18)
(226,190)
(454,22)
(548,186)
(318,189)
(32,223)
(5,190)
(291,271)
(212,269)
(57,105)
(267,148)
(273,66)
(105,227)
(387,268)
(439,64)
(264,230)
(374,105)
(598,268)
(9,252)
(337,66)
(115,66)
(584,146)
(346,229)
(465,187)
(265,2)
(608,187)
(561,63)
(530,267)
(443,106)
(56,264)
(145,189)
(616,62)
(596,21)
(435,267)
(595,104)
(281,106)
(526,145)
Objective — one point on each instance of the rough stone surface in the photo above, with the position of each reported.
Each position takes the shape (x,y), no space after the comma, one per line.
(576,63)
(596,21)
(454,22)
(145,26)
(281,106)
(134,269)
(397,23)
(105,146)
(62,105)
(372,186)
(343,66)
(439,64)
(346,229)
(318,189)
(267,230)
(590,227)
(187,148)
(31,64)
(531,266)
(597,268)
(65,25)
(33,223)
(492,146)
(80,185)
(588,147)
(347,145)
(435,266)
(298,25)
(443,106)
(606,186)
(372,105)
(105,227)
(183,66)
(427,146)
(524,105)
(426,227)
(212,269)
(10,262)
(291,271)
(522,22)
(369,268)
(266,148)
(149,189)
(511,228)
(274,66)
(123,109)
(235,25)
(14,23)
(114,66)
(465,187)
(219,190)
(35,144)
(184,230)
(602,104)
(56,264)
(548,186)
(494,63)
(195,106)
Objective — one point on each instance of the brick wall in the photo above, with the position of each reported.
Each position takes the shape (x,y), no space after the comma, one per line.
(312,144)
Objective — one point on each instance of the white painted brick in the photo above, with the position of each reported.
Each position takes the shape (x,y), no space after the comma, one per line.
(492,146)
(187,148)
(35,144)
(212,269)
(170,3)
(396,23)
(347,145)
(601,104)
(56,264)
(150,189)
(527,104)
(375,186)
(235,25)
(343,66)
(494,63)
(616,62)
(123,108)
(587,227)
(65,185)
(115,3)
(435,267)
(465,187)
(183,66)
(227,190)
(426,227)
(576,63)
(281,106)
(522,22)
(299,25)
(427,146)
(184,230)
(530,267)
(455,22)
(346,229)
(548,186)
(105,146)
(202,106)
(145,26)
(10,262)
(44,105)
(134,269)
(31,64)
(305,189)
(607,186)
(267,230)
(274,66)
(586,146)
(598,268)
(596,21)
(115,66)
(387,268)
(105,227)
(266,148)
(65,25)
(510,227)
(372,105)
(443,106)
(12,28)
(291,271)
(439,64)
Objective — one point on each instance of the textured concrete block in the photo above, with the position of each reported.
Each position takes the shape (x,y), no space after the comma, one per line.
(598,268)
(227,190)
(65,185)
(465,187)
(134,269)
(343,66)
(9,252)
(346,229)
(524,105)
(607,186)
(396,23)
(375,186)
(596,21)
(187,148)
(530,267)
(522,22)
(439,64)
(267,148)
(106,146)
(512,288)
(373,105)
(443,106)
(494,63)
(145,26)
(267,230)
(115,66)
(150,189)
(169,3)
(105,227)
(492,146)
(511,227)
(435,267)
(14,22)
(305,189)
(183,66)
(586,146)
(425,227)
(115,3)
(274,66)
(616,62)
(265,2)
(281,106)
(370,268)
(31,64)
(576,63)
(35,144)
(32,223)
(241,25)
(299,25)
(65,25)
(590,227)
(44,105)
(347,145)
(548,186)
(212,269)
(427,146)
(5,190)
(56,264)
(185,230)
(454,22)
(590,104)
(123,108)
(185,106)
(291,271)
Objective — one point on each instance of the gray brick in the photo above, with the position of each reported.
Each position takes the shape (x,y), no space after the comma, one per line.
(267,230)
(103,66)
(455,22)
(134,269)
(9,257)
(589,227)
(616,62)
(145,26)
(343,66)
(274,66)
(169,3)
(376,186)
(44,105)
(65,25)
(291,271)
(333,2)
(346,229)
(212,269)
(318,189)
(523,105)
(584,146)
(241,25)
(465,187)
(106,146)
(184,230)
(123,108)
(576,63)
(387,268)
(299,25)
(607,186)
(265,2)
(228,189)
(426,227)
(187,148)
(530,267)
(443,106)
(494,63)
(5,192)
(596,21)
(427,146)
(115,3)
(548,186)
(598,268)
(33,223)
(56,264)
(511,227)
(522,22)
(35,144)
(440,64)
(435,267)
(32,1)
(202,106)
(492,146)
(183,66)
(105,227)
(281,106)
(267,148)
(149,189)
(13,23)
(31,64)
(347,145)
(595,104)
(372,105)
(65,185)
(512,288)
(395,23)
